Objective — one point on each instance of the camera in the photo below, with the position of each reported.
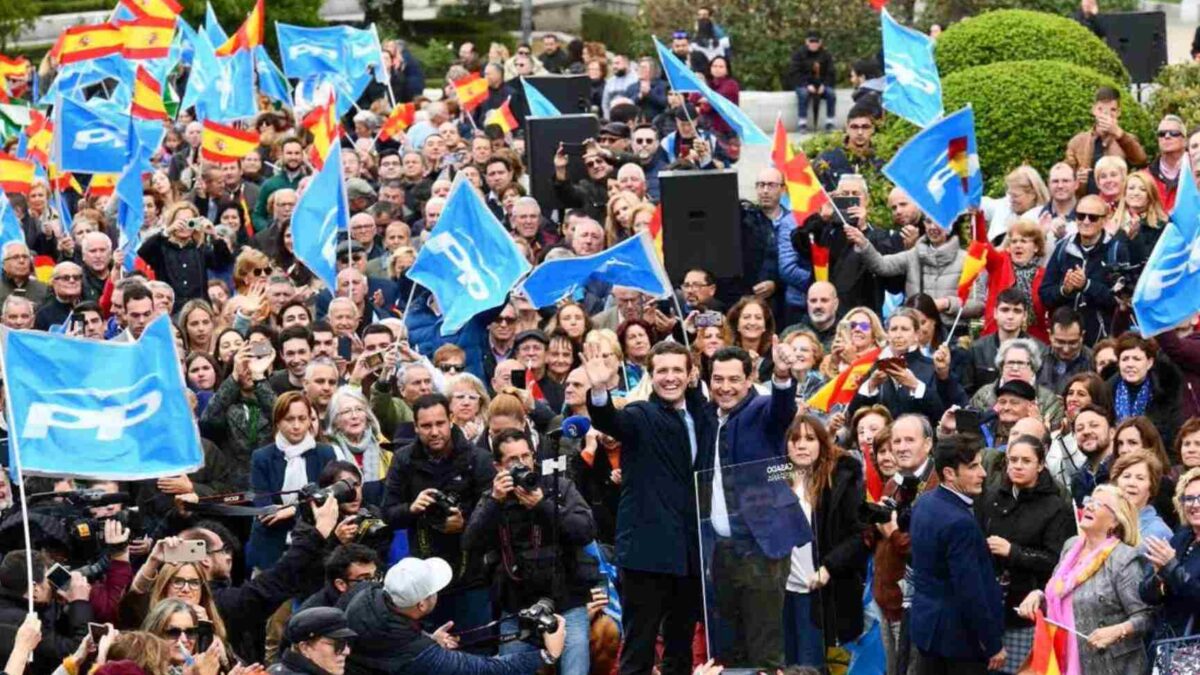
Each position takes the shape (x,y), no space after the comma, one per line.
(340,490)
(1122,278)
(901,505)
(524,477)
(63,521)
(538,618)
(442,505)
(367,527)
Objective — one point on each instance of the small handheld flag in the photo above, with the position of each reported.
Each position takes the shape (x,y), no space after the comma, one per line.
(401,118)
(249,36)
(223,144)
(804,191)
(471,91)
(502,117)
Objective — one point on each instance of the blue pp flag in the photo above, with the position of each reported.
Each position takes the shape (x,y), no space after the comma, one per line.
(212,26)
(633,264)
(321,211)
(470,262)
(221,88)
(364,51)
(539,105)
(113,71)
(105,410)
(131,213)
(1166,292)
(64,211)
(91,139)
(914,89)
(304,52)
(939,168)
(270,81)
(682,79)
(10,227)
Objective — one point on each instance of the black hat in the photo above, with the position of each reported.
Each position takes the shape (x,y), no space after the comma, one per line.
(530,335)
(350,246)
(1018,388)
(327,622)
(813,35)
(615,129)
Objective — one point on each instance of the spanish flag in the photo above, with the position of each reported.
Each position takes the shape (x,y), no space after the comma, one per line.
(655,229)
(502,117)
(980,255)
(157,9)
(82,43)
(61,181)
(803,189)
(147,37)
(10,67)
(841,389)
(222,144)
(1049,648)
(147,97)
(16,175)
(322,123)
(471,91)
(820,259)
(102,184)
(401,118)
(532,386)
(874,482)
(249,36)
(39,133)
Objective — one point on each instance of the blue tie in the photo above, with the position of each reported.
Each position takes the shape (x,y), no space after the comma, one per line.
(691,429)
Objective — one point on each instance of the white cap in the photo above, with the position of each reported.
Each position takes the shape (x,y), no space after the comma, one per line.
(412,580)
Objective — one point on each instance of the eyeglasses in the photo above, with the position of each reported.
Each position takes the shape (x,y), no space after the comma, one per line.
(1017,364)
(1169,133)
(353,411)
(505,320)
(766,184)
(695,285)
(179,583)
(1088,217)
(69,277)
(465,396)
(860,326)
(452,367)
(1189,501)
(643,141)
(260,271)
(1092,503)
(174,633)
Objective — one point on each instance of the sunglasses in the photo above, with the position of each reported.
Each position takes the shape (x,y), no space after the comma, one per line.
(594,162)
(860,326)
(1093,503)
(452,367)
(260,271)
(339,644)
(345,258)
(1089,217)
(1169,133)
(69,277)
(174,633)
(505,320)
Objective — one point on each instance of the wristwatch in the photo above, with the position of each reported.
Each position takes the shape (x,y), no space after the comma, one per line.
(548,658)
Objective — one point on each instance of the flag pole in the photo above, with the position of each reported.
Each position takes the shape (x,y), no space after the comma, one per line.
(16,453)
(411,292)
(679,311)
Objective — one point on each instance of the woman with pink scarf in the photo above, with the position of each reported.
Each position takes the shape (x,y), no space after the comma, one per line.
(1093,593)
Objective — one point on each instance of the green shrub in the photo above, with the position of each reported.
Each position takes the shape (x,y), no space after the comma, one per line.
(618,32)
(1025,112)
(877,183)
(1020,35)
(944,11)
(435,57)
(1178,93)
(50,7)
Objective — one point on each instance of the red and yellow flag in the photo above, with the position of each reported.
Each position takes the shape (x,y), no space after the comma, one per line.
(322,122)
(147,37)
(102,184)
(13,67)
(249,36)
(81,43)
(158,9)
(38,135)
(147,97)
(16,175)
(532,386)
(223,144)
(973,265)
(471,91)
(502,117)
(803,189)
(1049,648)
(656,230)
(820,259)
(61,181)
(841,389)
(402,117)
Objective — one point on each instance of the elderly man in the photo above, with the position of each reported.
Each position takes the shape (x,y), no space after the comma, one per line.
(343,316)
(1020,359)
(281,203)
(18,312)
(362,230)
(97,264)
(352,284)
(66,282)
(632,178)
(18,276)
(430,215)
(528,224)
(1172,142)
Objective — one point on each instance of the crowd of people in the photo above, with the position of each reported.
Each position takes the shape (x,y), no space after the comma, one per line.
(377,497)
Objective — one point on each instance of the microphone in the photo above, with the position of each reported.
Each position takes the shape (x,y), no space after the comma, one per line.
(576,426)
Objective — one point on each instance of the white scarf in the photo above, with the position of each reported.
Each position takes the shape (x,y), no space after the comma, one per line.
(296,474)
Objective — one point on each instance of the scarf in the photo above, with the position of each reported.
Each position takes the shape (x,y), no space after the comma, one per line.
(366,454)
(1126,408)
(295,476)
(1024,283)
(1069,575)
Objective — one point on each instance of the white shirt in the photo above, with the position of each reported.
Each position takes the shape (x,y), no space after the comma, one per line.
(803,566)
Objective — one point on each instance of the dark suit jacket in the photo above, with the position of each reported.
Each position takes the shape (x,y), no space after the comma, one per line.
(957,608)
(267,466)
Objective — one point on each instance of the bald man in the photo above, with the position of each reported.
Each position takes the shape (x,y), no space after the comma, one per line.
(66,286)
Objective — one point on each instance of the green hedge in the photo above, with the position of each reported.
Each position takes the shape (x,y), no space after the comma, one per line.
(49,7)
(619,33)
(1177,93)
(954,10)
(1025,112)
(1020,35)
(877,183)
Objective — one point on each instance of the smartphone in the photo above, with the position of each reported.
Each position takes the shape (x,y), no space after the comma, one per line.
(967,420)
(844,203)
(59,576)
(204,635)
(709,319)
(892,363)
(97,631)
(573,149)
(190,551)
(260,349)
(373,361)
(345,348)
(518,378)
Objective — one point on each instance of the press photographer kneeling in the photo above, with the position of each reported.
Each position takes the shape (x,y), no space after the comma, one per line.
(532,529)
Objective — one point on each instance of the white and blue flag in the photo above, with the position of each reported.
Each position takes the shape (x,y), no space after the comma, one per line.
(91,138)
(632,263)
(1166,292)
(939,168)
(470,262)
(104,410)
(539,105)
(10,227)
(321,211)
(913,88)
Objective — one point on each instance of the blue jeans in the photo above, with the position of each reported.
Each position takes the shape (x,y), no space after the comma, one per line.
(803,642)
(802,98)
(576,656)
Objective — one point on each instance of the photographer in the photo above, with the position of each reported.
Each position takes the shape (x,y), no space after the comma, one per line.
(431,488)
(64,613)
(513,523)
(359,522)
(388,617)
(183,252)
(346,567)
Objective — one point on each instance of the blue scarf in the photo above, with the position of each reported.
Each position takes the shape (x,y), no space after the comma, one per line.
(1125,408)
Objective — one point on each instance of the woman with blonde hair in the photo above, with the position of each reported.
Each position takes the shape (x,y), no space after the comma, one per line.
(1110,172)
(151,653)
(1093,592)
(1025,195)
(184,251)
(178,623)
(858,332)
(197,322)
(251,268)
(643,215)
(618,224)
(614,357)
(1140,215)
(186,582)
(469,401)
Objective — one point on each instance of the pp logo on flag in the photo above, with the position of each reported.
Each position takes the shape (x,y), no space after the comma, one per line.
(89,137)
(297,51)
(908,75)
(1171,270)
(445,244)
(109,412)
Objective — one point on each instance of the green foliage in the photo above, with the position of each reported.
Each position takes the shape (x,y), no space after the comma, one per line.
(1025,112)
(764,33)
(1177,93)
(1020,35)
(232,13)
(15,16)
(877,183)
(945,11)
(435,57)
(619,33)
(428,40)
(49,7)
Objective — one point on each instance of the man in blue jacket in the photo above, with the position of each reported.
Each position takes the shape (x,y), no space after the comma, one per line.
(957,615)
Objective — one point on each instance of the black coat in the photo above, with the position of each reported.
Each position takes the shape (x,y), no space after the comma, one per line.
(1037,522)
(466,474)
(62,630)
(185,268)
(1096,301)
(848,271)
(899,400)
(1165,408)
(809,67)
(841,548)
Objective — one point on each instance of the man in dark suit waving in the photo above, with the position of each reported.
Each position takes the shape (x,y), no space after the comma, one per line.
(957,615)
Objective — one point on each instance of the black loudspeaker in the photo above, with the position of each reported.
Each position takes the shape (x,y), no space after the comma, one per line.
(541,142)
(1140,39)
(569,93)
(701,223)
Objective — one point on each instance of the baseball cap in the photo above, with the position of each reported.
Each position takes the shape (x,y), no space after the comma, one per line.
(615,129)
(349,246)
(357,187)
(1018,388)
(526,335)
(327,622)
(412,580)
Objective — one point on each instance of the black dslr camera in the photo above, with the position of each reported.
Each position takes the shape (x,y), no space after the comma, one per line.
(524,477)
(539,618)
(342,491)
(443,504)
(1122,278)
(901,505)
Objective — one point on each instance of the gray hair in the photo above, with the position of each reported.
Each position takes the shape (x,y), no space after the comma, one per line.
(1026,345)
(527,201)
(17,299)
(342,396)
(368,119)
(319,362)
(926,426)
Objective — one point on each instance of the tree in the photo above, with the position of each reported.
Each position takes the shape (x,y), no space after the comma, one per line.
(15,16)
